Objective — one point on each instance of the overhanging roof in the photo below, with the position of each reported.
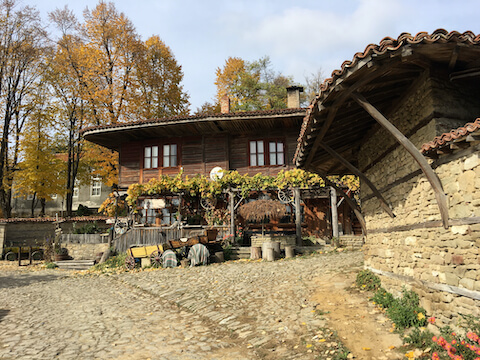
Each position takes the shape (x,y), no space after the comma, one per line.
(383,74)
(112,136)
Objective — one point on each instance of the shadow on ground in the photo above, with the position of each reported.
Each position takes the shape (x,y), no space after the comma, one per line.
(25,279)
(3,313)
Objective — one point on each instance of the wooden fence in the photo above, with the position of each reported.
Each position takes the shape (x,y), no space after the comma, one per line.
(157,235)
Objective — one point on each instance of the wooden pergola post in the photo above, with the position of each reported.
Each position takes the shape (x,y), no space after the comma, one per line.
(231,206)
(333,203)
(298,217)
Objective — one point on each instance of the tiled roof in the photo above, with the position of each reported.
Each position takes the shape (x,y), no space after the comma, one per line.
(454,134)
(388,44)
(186,119)
(384,49)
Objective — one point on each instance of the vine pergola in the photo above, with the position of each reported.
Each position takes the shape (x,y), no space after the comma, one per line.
(238,187)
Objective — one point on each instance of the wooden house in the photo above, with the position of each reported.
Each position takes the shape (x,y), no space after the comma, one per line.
(249,142)
(387,116)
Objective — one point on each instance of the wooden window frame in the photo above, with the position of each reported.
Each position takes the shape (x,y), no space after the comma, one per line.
(160,155)
(266,151)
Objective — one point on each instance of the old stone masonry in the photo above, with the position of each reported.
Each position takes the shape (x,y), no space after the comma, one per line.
(233,310)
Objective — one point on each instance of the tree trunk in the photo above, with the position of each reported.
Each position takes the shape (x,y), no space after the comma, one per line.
(255,252)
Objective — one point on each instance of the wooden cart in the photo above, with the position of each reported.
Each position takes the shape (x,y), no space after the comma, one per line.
(136,252)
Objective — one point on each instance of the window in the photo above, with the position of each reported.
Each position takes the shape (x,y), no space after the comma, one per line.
(167,158)
(169,155)
(30,197)
(151,157)
(267,152)
(96,187)
(76,188)
(275,149)
(54,196)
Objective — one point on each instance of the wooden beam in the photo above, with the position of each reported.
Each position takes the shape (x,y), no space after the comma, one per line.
(333,206)
(407,144)
(338,103)
(298,217)
(453,58)
(361,175)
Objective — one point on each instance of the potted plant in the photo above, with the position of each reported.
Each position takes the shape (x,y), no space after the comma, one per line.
(61,254)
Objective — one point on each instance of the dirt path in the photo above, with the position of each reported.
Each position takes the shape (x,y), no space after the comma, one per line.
(363,329)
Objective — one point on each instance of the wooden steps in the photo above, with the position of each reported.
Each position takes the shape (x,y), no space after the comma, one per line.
(75,264)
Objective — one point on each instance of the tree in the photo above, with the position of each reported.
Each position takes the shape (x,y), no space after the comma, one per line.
(252,85)
(314,82)
(22,51)
(112,47)
(40,171)
(159,78)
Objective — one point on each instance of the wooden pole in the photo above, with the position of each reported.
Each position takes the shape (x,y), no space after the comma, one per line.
(231,205)
(333,203)
(298,217)
(407,144)
(19,256)
(30,255)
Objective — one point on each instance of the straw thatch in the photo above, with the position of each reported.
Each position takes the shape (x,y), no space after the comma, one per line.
(258,210)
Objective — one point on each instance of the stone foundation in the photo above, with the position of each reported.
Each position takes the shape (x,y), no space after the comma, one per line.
(258,240)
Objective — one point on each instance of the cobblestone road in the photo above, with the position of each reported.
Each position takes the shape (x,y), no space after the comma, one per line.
(233,310)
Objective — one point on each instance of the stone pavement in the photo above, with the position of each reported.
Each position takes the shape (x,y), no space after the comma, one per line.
(233,310)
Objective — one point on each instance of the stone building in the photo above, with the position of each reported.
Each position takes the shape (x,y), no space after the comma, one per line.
(387,116)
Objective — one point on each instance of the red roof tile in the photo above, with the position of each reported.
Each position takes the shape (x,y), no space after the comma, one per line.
(454,134)
(385,48)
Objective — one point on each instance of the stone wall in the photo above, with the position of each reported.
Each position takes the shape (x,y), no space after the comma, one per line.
(85,251)
(351,241)
(257,241)
(413,249)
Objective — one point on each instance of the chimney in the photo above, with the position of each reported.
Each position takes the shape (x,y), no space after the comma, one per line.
(225,104)
(293,96)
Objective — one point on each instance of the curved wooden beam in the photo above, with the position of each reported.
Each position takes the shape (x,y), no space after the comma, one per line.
(361,175)
(407,144)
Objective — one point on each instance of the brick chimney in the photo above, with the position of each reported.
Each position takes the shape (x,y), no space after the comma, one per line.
(225,104)
(293,96)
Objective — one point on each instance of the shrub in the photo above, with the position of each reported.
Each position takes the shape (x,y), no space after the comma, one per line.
(367,280)
(419,338)
(89,228)
(114,262)
(83,210)
(406,311)
(50,265)
(383,298)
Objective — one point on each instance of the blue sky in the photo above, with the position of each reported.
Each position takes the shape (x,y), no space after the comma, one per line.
(301,37)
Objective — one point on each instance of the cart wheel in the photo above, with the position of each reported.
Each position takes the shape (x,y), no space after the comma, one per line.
(37,255)
(130,262)
(285,196)
(10,256)
(156,259)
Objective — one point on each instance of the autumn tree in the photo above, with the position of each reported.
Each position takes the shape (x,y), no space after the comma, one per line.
(252,85)
(22,51)
(40,171)
(159,77)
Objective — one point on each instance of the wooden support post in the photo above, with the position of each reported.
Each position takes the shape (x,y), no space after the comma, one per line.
(361,175)
(333,203)
(30,255)
(407,144)
(231,205)
(20,256)
(298,217)
(353,205)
